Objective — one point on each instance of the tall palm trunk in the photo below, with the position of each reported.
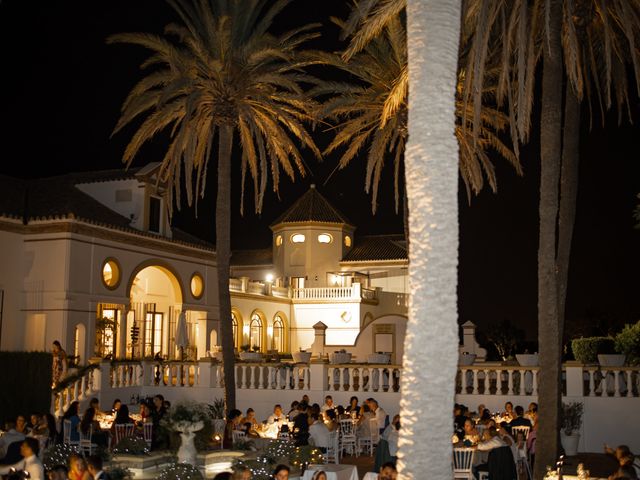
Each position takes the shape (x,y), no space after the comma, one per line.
(223,255)
(568,195)
(431,159)
(548,317)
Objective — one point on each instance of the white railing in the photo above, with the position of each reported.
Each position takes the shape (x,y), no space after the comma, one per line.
(363,378)
(325,293)
(273,377)
(235,285)
(77,391)
(370,294)
(611,382)
(256,288)
(497,380)
(282,292)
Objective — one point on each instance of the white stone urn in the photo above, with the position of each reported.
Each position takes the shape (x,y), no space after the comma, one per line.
(527,359)
(340,357)
(467,359)
(301,357)
(611,360)
(251,356)
(187,451)
(381,358)
(570,443)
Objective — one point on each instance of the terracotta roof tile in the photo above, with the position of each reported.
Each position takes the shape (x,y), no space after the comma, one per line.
(311,207)
(377,248)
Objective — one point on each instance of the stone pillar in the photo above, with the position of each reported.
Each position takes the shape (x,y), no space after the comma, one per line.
(317,347)
(469,343)
(244,283)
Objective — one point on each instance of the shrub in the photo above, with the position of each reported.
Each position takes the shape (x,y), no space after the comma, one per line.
(131,446)
(26,384)
(180,471)
(571,417)
(586,349)
(627,342)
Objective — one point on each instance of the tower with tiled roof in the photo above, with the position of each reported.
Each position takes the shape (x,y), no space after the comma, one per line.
(309,240)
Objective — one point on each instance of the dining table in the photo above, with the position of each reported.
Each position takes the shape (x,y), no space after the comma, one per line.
(333,471)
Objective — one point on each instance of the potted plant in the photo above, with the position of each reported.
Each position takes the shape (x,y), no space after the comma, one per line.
(586,350)
(248,356)
(379,357)
(627,342)
(571,424)
(340,356)
(216,412)
(301,357)
(607,355)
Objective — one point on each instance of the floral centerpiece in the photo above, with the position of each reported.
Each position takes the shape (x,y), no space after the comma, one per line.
(187,417)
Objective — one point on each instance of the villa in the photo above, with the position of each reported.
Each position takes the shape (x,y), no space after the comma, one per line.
(91,260)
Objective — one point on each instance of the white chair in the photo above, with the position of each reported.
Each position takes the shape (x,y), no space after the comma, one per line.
(147,429)
(522,460)
(86,447)
(462,463)
(523,429)
(66,433)
(123,430)
(348,437)
(238,436)
(333,450)
(284,436)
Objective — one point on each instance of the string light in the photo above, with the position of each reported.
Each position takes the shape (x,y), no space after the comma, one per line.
(180,471)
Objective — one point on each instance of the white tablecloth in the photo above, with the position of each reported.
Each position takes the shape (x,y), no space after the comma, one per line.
(333,471)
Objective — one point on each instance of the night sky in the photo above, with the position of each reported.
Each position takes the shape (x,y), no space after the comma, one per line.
(61,88)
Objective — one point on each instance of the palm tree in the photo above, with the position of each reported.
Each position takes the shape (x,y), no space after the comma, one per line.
(598,41)
(372,112)
(433,28)
(216,74)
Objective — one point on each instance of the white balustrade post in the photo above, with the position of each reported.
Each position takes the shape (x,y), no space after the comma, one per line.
(475,381)
(318,376)
(574,379)
(83,386)
(616,383)
(206,379)
(509,382)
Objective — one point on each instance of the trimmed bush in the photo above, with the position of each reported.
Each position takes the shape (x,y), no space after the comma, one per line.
(26,384)
(586,349)
(627,342)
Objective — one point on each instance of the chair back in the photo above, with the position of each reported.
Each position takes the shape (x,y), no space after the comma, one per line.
(346,427)
(147,428)
(284,436)
(66,431)
(523,429)
(85,441)
(238,435)
(333,449)
(123,430)
(462,460)
(375,432)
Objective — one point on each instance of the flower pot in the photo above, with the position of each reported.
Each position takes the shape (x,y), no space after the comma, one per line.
(250,356)
(301,357)
(467,359)
(382,358)
(340,357)
(570,443)
(616,360)
(527,359)
(187,451)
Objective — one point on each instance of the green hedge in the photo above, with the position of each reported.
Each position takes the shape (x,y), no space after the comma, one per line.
(586,349)
(25,380)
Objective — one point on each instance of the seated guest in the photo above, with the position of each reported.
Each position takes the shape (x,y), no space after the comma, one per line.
(624,472)
(364,426)
(330,420)
(10,436)
(21,425)
(233,421)
(458,420)
(388,471)
(115,406)
(301,426)
(293,412)
(95,404)
(72,415)
(490,439)
(508,413)
(378,413)
(30,463)
(281,472)
(519,420)
(277,416)
(94,466)
(249,421)
(78,468)
(39,426)
(328,404)
(341,413)
(353,406)
(622,453)
(318,433)
(89,425)
(305,399)
(533,408)
(391,435)
(59,472)
(51,427)
(478,415)
(145,413)
(471,434)
(122,418)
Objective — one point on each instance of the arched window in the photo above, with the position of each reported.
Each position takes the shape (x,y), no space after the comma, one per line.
(255,331)
(234,328)
(277,342)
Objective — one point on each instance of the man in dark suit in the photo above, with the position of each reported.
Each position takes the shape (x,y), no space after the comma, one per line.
(94,466)
(519,421)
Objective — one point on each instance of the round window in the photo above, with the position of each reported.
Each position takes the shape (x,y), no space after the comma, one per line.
(197,285)
(325,238)
(110,273)
(298,238)
(347,241)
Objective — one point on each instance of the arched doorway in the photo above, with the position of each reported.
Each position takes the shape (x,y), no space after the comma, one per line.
(155,294)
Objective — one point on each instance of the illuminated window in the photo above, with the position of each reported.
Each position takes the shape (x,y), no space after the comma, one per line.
(197,285)
(110,273)
(277,342)
(106,325)
(298,238)
(278,240)
(347,241)
(325,238)
(153,333)
(76,343)
(255,331)
(234,328)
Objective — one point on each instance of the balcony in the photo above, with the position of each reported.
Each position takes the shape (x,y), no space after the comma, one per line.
(305,295)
